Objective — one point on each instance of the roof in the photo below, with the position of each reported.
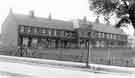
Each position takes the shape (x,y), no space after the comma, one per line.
(60,24)
(106,28)
(42,22)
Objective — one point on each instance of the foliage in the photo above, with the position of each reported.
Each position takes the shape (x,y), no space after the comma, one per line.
(109,7)
(104,7)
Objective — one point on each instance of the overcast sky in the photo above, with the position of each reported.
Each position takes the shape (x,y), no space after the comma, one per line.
(60,9)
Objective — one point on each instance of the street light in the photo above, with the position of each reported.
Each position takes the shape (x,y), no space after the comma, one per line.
(88,55)
(108,55)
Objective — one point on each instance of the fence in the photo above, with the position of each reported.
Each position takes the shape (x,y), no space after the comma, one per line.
(113,56)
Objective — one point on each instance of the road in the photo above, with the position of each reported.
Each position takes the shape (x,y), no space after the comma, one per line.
(9,69)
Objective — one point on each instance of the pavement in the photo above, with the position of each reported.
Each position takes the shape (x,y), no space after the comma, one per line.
(25,66)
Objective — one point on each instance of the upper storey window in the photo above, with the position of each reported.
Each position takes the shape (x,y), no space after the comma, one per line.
(99,34)
(114,36)
(55,33)
(49,32)
(103,35)
(21,28)
(29,29)
(25,28)
(108,35)
(43,31)
(35,30)
(111,36)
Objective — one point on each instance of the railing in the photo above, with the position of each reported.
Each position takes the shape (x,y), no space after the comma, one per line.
(76,55)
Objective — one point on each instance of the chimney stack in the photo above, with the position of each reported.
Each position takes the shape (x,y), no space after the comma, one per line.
(10,10)
(32,14)
(85,19)
(50,16)
(97,19)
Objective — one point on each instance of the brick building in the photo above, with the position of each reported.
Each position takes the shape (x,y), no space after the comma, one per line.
(19,29)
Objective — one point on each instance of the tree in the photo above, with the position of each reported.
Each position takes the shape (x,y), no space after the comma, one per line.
(107,8)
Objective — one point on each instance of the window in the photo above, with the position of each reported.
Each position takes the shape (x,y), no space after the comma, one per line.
(54,32)
(103,35)
(43,31)
(29,29)
(40,30)
(97,43)
(25,28)
(35,30)
(125,37)
(68,34)
(82,43)
(73,34)
(32,29)
(89,34)
(99,34)
(65,34)
(119,37)
(58,33)
(49,32)
(108,35)
(21,28)
(46,31)
(62,33)
(111,36)
(102,44)
(96,34)
(114,36)
(93,34)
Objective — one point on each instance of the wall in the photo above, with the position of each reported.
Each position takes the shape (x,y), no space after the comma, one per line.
(9,31)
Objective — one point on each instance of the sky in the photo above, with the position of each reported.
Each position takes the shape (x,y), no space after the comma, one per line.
(59,9)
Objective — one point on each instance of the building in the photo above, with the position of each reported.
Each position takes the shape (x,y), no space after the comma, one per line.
(32,31)
(126,25)
(67,40)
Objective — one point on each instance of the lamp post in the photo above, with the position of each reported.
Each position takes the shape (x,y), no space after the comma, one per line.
(88,55)
(108,55)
